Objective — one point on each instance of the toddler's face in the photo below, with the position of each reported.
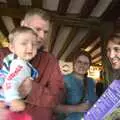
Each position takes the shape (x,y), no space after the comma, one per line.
(25,45)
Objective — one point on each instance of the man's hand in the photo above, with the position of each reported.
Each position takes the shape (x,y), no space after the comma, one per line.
(17,105)
(26,87)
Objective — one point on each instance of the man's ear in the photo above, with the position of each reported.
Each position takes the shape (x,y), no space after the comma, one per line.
(22,23)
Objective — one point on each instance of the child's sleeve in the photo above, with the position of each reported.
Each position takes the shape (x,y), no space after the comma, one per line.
(19,71)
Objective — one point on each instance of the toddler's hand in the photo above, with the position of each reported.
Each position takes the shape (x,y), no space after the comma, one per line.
(2,104)
(17,105)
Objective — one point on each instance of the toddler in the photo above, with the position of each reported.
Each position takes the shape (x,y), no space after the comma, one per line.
(16,68)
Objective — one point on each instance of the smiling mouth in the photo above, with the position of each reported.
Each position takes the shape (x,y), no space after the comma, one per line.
(81,69)
(114,63)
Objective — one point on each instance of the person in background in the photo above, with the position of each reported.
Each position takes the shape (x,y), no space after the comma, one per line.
(80,89)
(100,84)
(48,88)
(113,54)
(16,67)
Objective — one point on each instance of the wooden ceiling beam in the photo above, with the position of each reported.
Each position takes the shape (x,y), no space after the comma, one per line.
(96,62)
(88,7)
(111,14)
(3,28)
(63,6)
(97,55)
(13,12)
(37,3)
(89,38)
(63,20)
(82,24)
(13,3)
(83,44)
(95,47)
(70,37)
(19,12)
(55,30)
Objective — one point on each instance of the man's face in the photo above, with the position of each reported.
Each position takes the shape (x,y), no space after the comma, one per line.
(113,53)
(41,26)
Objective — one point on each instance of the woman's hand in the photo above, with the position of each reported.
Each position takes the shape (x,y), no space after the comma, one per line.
(83,107)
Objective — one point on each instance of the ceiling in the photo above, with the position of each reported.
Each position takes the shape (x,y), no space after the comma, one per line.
(75,24)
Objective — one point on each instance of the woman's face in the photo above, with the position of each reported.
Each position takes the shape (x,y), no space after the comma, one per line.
(81,65)
(113,53)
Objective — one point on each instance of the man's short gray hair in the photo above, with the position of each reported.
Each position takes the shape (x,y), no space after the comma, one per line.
(39,12)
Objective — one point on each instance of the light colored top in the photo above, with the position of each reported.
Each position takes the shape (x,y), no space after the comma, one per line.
(74,87)
(15,72)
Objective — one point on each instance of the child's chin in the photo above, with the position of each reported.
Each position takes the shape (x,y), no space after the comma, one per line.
(28,59)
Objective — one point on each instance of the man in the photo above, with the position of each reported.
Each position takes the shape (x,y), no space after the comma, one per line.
(39,20)
(48,88)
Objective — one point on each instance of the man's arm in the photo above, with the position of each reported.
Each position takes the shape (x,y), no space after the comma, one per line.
(54,89)
(48,89)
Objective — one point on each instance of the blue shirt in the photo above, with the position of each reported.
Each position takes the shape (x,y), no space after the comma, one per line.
(74,87)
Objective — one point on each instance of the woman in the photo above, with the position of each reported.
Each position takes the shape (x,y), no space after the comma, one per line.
(80,89)
(113,54)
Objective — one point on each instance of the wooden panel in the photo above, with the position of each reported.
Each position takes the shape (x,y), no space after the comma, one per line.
(83,44)
(61,39)
(63,5)
(98,61)
(71,35)
(37,3)
(71,20)
(3,28)
(111,14)
(95,47)
(13,12)
(54,34)
(97,55)
(13,3)
(8,21)
(88,7)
